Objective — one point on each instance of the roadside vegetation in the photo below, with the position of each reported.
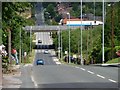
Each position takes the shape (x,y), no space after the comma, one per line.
(92,39)
(14,18)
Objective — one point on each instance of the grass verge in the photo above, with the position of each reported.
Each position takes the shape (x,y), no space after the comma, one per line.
(116,60)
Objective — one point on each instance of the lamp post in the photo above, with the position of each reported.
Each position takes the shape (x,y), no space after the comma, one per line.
(61,38)
(69,36)
(30,40)
(20,47)
(103,36)
(59,43)
(1,75)
(81,36)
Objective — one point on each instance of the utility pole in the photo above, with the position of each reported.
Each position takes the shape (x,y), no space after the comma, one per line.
(103,58)
(20,48)
(69,38)
(0,53)
(9,46)
(59,43)
(87,43)
(112,27)
(30,41)
(81,36)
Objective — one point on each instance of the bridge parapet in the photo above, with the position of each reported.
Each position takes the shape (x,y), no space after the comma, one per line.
(46,28)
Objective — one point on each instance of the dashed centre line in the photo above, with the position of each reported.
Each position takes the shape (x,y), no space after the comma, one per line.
(82,69)
(96,74)
(112,80)
(100,76)
(91,72)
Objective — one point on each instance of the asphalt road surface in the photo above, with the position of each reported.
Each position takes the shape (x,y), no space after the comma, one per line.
(52,75)
(66,76)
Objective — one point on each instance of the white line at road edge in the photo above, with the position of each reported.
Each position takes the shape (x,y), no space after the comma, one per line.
(90,72)
(76,67)
(100,76)
(82,69)
(58,63)
(34,81)
(112,80)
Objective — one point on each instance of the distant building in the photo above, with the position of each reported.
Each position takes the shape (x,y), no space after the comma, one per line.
(78,22)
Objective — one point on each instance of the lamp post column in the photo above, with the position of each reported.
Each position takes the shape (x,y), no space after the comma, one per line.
(69,36)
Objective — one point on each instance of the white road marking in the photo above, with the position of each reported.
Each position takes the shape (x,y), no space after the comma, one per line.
(100,76)
(28,65)
(82,69)
(58,62)
(34,81)
(91,72)
(112,80)
(55,60)
(77,67)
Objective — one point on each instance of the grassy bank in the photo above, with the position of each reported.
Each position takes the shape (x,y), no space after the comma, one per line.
(116,60)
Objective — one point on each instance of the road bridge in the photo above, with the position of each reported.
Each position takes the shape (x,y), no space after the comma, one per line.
(46,28)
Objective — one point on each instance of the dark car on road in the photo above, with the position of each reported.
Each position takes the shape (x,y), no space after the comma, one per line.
(40,62)
(39,41)
(46,52)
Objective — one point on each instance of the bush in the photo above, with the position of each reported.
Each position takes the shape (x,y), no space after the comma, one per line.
(5,63)
(108,53)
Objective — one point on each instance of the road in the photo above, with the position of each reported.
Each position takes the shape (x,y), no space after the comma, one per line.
(52,75)
(66,76)
(43,36)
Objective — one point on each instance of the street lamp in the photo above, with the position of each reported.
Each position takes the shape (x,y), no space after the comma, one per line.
(20,47)
(59,43)
(69,35)
(61,38)
(103,36)
(30,40)
(81,36)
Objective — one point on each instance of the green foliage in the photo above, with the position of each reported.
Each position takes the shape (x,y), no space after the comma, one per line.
(58,18)
(5,63)
(13,20)
(0,36)
(92,38)
(115,60)
(50,9)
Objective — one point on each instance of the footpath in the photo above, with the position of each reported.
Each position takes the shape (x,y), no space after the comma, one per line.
(21,78)
(107,65)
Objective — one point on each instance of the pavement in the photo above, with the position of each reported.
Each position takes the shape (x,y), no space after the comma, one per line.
(11,80)
(107,65)
(20,78)
(21,75)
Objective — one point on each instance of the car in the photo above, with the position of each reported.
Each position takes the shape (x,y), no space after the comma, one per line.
(40,62)
(39,41)
(46,52)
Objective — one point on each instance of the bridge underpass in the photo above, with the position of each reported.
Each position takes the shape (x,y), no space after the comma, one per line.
(45,28)
(44,46)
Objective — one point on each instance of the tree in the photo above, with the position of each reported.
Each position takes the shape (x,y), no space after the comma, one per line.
(13,21)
